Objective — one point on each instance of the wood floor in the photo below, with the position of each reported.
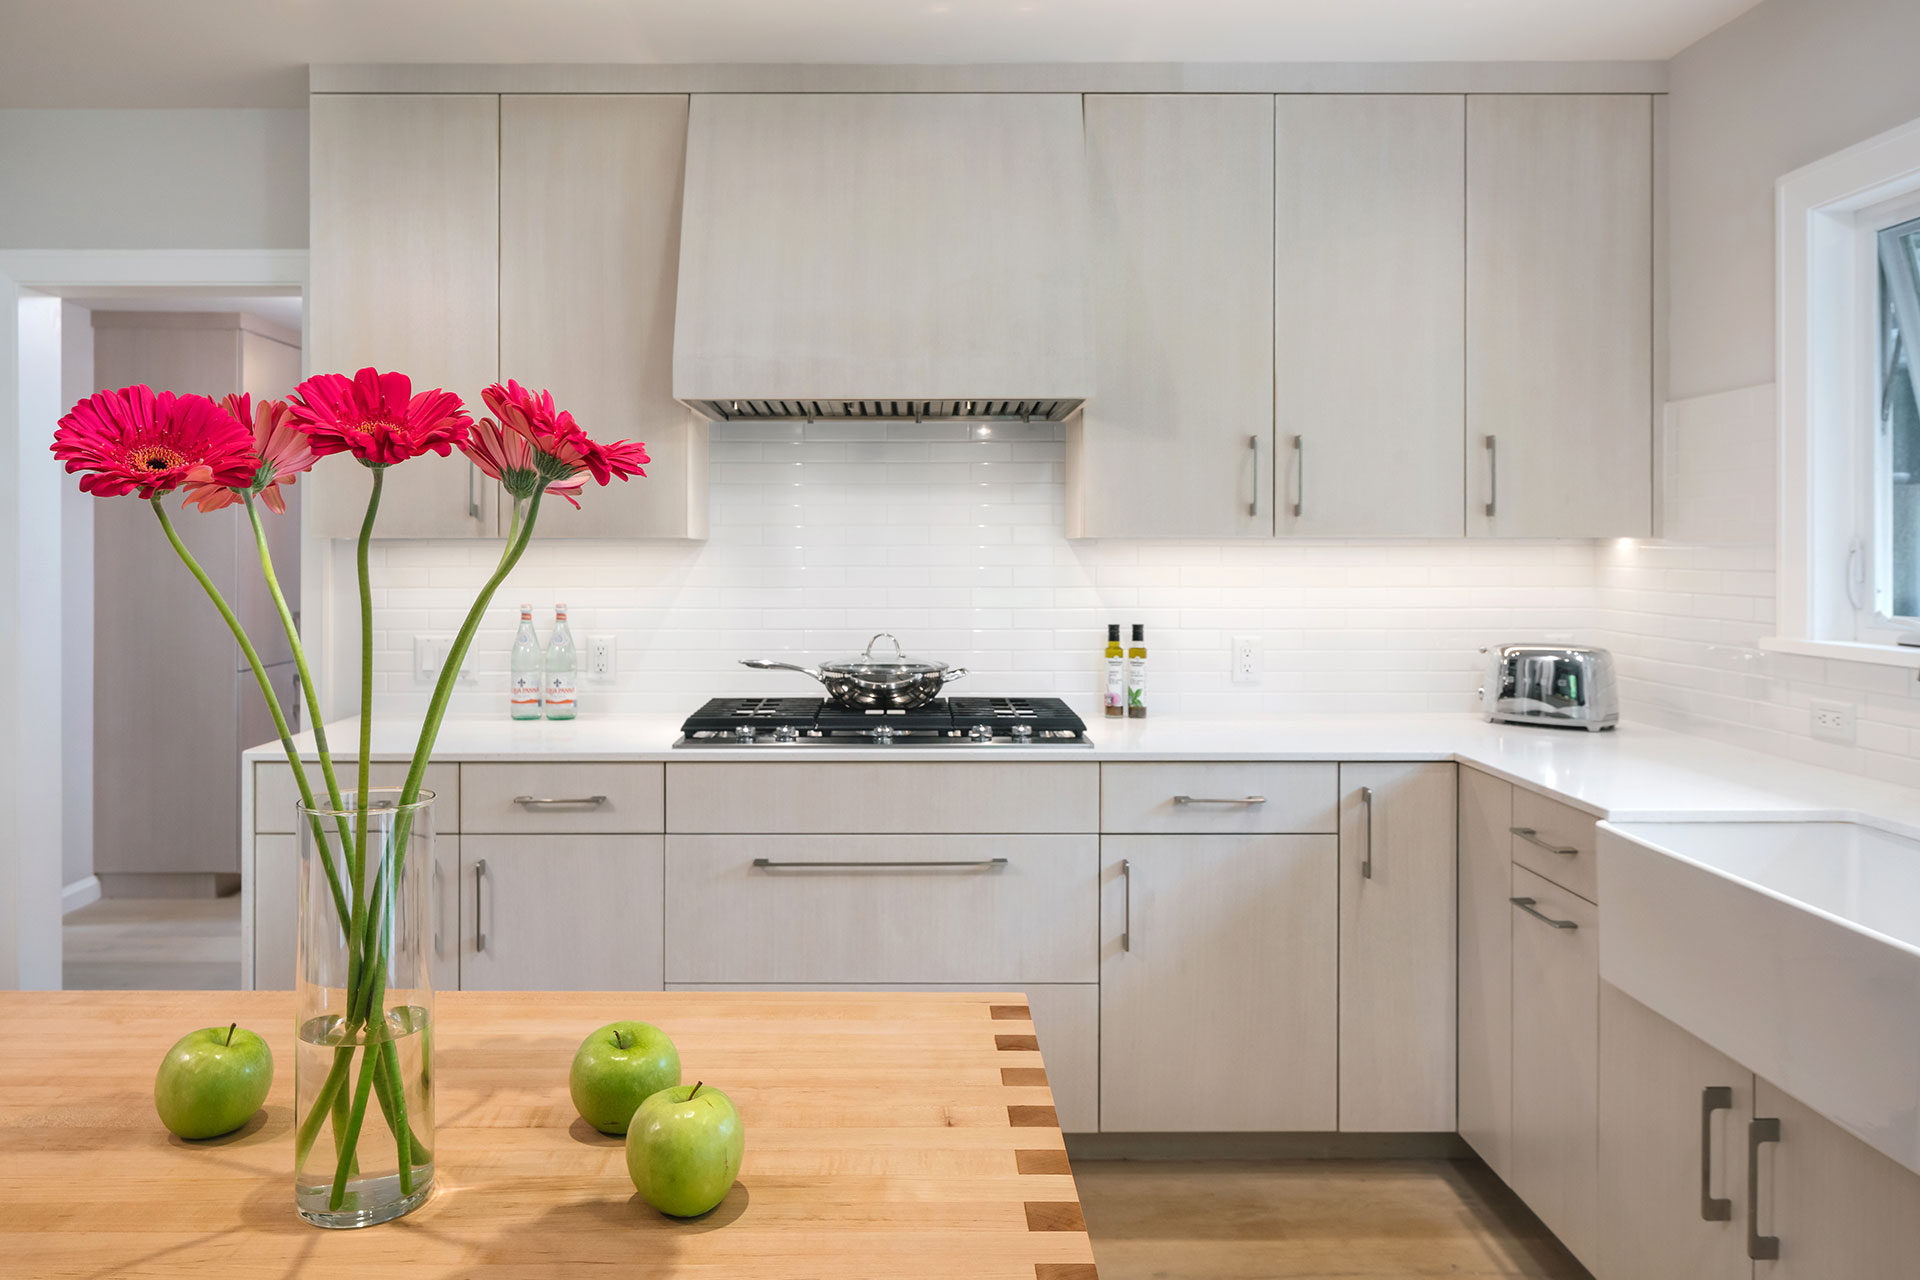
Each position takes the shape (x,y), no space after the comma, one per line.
(152,944)
(1311,1220)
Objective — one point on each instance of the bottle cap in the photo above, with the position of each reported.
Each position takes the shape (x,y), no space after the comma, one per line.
(1139,631)
(526,611)
(559,611)
(1113,631)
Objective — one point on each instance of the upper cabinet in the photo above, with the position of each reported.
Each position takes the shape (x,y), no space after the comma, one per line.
(1560,315)
(1177,438)
(466,238)
(1368,315)
(589,260)
(404,275)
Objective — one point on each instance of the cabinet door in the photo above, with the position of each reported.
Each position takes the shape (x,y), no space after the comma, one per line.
(404,269)
(589,265)
(1369,281)
(1837,1206)
(1556,1035)
(1397,1046)
(561,913)
(276,910)
(1219,983)
(1177,439)
(1668,1142)
(1560,315)
(1486,969)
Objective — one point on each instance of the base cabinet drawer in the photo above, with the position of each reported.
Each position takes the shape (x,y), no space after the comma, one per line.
(1002,910)
(576,797)
(560,913)
(274,793)
(1066,1018)
(1178,797)
(1556,841)
(1038,795)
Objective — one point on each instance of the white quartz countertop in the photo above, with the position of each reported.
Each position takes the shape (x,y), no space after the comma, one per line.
(1632,773)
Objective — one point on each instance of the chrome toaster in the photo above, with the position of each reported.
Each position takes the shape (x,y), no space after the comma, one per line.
(1567,686)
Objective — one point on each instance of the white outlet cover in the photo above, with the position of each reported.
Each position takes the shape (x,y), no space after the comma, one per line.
(603,658)
(1245,660)
(1833,721)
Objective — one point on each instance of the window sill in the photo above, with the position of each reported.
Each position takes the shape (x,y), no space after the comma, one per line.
(1882,655)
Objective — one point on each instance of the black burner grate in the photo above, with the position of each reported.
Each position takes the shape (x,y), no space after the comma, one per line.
(1042,715)
(723,715)
(728,720)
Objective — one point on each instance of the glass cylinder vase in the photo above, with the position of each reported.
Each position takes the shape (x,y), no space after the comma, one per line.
(363,1066)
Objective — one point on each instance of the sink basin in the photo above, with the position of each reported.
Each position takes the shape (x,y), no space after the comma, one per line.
(1791,947)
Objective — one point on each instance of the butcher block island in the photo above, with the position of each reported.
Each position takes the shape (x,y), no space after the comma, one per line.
(901,1134)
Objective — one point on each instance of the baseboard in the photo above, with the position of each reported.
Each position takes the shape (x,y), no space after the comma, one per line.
(79,894)
(1267,1146)
(167,884)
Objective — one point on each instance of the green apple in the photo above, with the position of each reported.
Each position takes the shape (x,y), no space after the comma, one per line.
(684,1149)
(615,1069)
(212,1081)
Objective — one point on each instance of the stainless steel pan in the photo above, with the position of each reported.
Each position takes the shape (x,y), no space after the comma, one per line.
(868,683)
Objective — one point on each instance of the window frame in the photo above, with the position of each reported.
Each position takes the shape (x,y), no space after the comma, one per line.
(1876,622)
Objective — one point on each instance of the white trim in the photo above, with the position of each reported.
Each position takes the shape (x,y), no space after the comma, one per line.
(52,269)
(79,894)
(1883,655)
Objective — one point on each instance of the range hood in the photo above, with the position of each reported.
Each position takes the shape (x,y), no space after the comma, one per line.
(883,257)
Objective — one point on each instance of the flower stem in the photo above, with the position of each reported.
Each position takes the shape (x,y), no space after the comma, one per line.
(366,698)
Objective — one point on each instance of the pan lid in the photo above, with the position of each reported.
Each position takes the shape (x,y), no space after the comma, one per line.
(899,667)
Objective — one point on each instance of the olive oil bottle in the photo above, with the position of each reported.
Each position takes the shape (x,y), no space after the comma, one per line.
(1137,674)
(1116,697)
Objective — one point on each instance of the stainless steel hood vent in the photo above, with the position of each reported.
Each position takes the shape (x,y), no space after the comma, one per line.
(868,256)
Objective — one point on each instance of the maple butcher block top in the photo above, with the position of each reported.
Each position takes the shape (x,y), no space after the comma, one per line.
(888,1135)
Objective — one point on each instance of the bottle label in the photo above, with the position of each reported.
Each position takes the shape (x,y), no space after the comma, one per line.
(1116,682)
(559,692)
(526,690)
(1136,682)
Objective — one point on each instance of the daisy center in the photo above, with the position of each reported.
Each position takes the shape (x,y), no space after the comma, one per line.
(155,457)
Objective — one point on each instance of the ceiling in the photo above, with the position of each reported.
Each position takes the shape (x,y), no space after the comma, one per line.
(282,308)
(223,53)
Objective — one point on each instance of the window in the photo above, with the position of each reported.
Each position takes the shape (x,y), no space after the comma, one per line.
(1894,543)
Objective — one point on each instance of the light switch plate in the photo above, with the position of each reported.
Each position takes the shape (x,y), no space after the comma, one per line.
(430,655)
(603,659)
(1833,721)
(1246,660)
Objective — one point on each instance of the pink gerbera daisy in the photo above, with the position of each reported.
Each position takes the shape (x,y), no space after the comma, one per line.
(376,417)
(138,439)
(508,456)
(283,452)
(562,449)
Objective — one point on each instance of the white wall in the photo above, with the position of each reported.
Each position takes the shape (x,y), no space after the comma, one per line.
(76,618)
(1787,83)
(182,179)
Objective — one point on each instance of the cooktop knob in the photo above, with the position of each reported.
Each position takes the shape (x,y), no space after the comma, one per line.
(883,734)
(744,733)
(1022,732)
(981,733)
(786,733)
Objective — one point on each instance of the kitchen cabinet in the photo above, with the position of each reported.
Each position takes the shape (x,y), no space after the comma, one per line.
(1369,338)
(1835,1205)
(275,901)
(404,263)
(561,913)
(1673,1150)
(975,798)
(1177,438)
(1397,1029)
(1219,983)
(1556,1020)
(1485,972)
(1559,384)
(1187,797)
(590,193)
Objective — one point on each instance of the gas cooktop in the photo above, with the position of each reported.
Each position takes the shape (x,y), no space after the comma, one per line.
(944,722)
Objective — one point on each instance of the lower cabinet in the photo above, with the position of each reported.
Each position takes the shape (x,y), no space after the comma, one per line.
(1556,1027)
(1219,983)
(1485,972)
(276,910)
(1834,1206)
(561,913)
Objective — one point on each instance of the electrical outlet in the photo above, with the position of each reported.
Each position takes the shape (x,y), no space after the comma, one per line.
(602,659)
(1246,659)
(1833,721)
(430,655)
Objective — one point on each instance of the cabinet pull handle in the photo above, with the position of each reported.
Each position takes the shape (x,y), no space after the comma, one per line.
(1299,475)
(433,880)
(977,864)
(1526,905)
(1760,1248)
(1253,443)
(532,802)
(1366,867)
(479,929)
(1493,475)
(1126,905)
(473,502)
(1715,1097)
(1532,837)
(1219,799)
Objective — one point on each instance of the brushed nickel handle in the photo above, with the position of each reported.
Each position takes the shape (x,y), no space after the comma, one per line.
(1493,475)
(1715,1097)
(1299,475)
(977,864)
(1526,905)
(473,502)
(1532,837)
(1219,799)
(479,882)
(1253,443)
(1760,1248)
(1126,905)
(1366,867)
(533,802)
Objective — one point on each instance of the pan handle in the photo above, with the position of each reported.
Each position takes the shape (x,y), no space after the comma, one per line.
(768,664)
(948,677)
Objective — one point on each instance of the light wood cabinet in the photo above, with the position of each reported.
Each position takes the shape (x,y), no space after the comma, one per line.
(1369,342)
(1485,973)
(1397,1031)
(975,798)
(1556,841)
(1836,1206)
(1219,983)
(275,898)
(561,913)
(1177,438)
(579,797)
(590,193)
(1556,1021)
(1673,1155)
(1220,798)
(1559,315)
(404,262)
